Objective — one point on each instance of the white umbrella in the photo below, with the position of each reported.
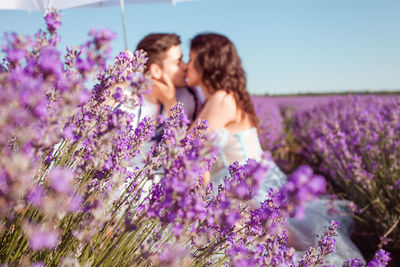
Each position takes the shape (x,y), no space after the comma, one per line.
(43,5)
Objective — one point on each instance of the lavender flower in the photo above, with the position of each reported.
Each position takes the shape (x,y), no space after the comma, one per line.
(53,22)
(271,122)
(118,94)
(102,37)
(172,256)
(49,61)
(40,238)
(302,187)
(326,246)
(352,263)
(36,196)
(61,179)
(381,259)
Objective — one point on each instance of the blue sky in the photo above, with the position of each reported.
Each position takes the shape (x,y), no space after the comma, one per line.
(287,46)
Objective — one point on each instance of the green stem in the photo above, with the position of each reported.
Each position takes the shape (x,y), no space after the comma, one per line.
(108,250)
(149,230)
(217,243)
(11,247)
(23,246)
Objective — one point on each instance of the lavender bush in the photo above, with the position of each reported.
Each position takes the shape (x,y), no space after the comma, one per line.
(70,191)
(354,141)
(270,125)
(275,137)
(276,117)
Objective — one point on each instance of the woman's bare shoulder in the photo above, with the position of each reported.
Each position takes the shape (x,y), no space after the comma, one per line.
(222,99)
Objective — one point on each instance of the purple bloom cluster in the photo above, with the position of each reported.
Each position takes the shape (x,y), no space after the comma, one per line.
(58,143)
(302,187)
(272,252)
(271,122)
(381,259)
(326,246)
(354,141)
(30,103)
(172,256)
(53,22)
(41,238)
(352,263)
(61,179)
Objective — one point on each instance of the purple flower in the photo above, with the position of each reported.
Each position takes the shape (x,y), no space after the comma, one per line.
(271,130)
(68,132)
(317,185)
(36,196)
(327,243)
(302,186)
(326,246)
(38,264)
(40,110)
(16,55)
(118,96)
(43,239)
(231,219)
(52,19)
(352,263)
(16,50)
(61,179)
(84,65)
(129,225)
(245,180)
(50,61)
(102,37)
(381,259)
(75,203)
(83,97)
(171,255)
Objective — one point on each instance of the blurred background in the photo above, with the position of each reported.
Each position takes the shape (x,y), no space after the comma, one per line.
(287,47)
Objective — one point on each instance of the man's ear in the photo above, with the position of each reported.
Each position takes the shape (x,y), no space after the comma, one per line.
(155,71)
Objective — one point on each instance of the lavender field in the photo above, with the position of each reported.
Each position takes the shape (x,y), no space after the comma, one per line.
(353,141)
(71,193)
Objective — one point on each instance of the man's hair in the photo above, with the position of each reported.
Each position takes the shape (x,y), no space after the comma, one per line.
(156,45)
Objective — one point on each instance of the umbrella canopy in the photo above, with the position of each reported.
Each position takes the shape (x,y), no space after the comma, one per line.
(100,3)
(43,5)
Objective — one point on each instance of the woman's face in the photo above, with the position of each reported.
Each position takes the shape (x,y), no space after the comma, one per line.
(193,75)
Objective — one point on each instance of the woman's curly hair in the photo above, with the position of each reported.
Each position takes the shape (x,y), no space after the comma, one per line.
(221,69)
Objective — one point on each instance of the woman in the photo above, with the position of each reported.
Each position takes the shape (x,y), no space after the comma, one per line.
(216,67)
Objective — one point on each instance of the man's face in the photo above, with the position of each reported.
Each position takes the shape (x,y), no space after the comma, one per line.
(174,66)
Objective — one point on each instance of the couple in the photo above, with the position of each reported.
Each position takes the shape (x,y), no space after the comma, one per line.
(216,68)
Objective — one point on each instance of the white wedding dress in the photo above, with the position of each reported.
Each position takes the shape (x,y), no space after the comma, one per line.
(245,144)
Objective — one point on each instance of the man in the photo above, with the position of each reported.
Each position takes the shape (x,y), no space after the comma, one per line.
(167,72)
